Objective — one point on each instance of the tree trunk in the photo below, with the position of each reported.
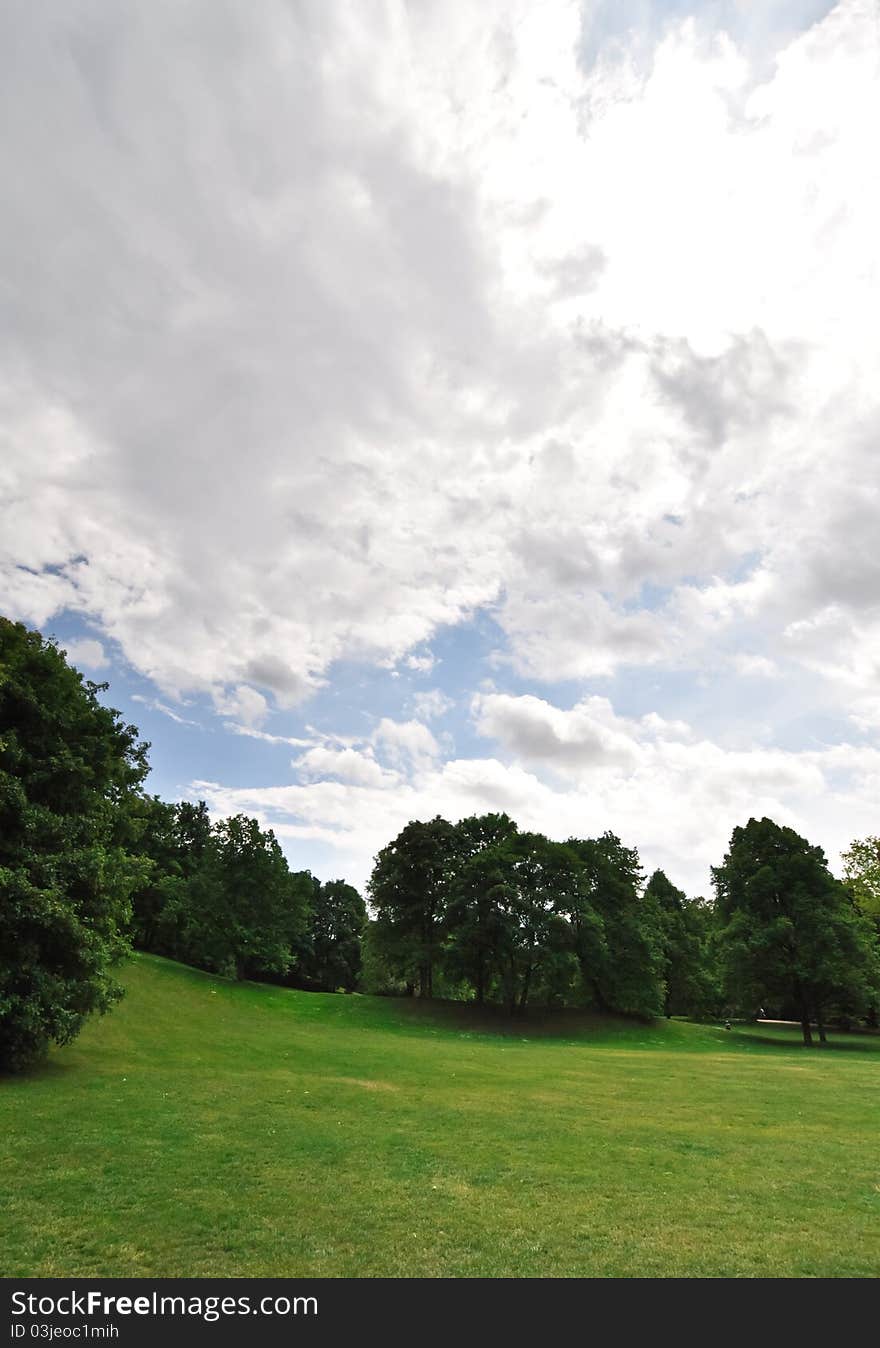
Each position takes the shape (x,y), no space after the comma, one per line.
(480,984)
(803,1003)
(524,995)
(821,1024)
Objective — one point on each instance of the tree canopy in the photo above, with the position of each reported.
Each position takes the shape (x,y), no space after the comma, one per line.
(69,772)
(507,915)
(687,941)
(789,929)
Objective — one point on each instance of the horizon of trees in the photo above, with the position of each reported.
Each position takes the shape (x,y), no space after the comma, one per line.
(220,896)
(477,910)
(490,913)
(487,912)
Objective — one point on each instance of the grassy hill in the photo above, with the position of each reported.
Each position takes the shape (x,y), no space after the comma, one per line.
(232,1129)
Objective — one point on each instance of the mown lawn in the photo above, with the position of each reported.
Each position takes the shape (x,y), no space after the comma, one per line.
(207,1128)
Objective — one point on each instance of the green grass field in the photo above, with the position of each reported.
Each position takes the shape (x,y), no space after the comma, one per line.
(209,1128)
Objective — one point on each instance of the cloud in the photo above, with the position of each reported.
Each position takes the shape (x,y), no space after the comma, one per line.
(755,666)
(87,653)
(405,742)
(363,326)
(590,735)
(245,704)
(249,732)
(344,765)
(577,772)
(422,664)
(561,312)
(432,704)
(155,704)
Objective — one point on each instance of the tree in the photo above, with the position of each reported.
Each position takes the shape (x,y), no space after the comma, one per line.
(861,871)
(221,896)
(251,909)
(69,771)
(378,975)
(332,945)
(410,887)
(476,918)
(689,978)
(477,896)
(789,930)
(624,968)
(156,839)
(538,944)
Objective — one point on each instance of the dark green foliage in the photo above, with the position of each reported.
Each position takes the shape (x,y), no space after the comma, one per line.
(218,896)
(510,916)
(535,950)
(477,917)
(623,970)
(410,888)
(332,947)
(689,962)
(789,931)
(157,838)
(378,976)
(69,770)
(476,904)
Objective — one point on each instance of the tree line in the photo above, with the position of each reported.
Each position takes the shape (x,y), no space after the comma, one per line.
(477,910)
(483,911)
(221,896)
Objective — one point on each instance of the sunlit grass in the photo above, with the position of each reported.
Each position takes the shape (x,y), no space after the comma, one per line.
(209,1128)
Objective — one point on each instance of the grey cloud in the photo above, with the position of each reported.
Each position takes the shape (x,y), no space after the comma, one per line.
(285,380)
(233,273)
(743,388)
(280,678)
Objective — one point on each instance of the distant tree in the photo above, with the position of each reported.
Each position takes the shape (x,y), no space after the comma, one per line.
(508,933)
(476,901)
(378,976)
(688,960)
(546,874)
(195,836)
(476,918)
(575,898)
(410,887)
(174,904)
(69,773)
(238,911)
(861,872)
(332,945)
(264,905)
(156,839)
(478,831)
(624,970)
(789,930)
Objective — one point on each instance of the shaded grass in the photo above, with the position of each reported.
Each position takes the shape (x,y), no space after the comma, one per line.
(210,1128)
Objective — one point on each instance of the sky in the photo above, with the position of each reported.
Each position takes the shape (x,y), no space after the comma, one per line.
(421,406)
